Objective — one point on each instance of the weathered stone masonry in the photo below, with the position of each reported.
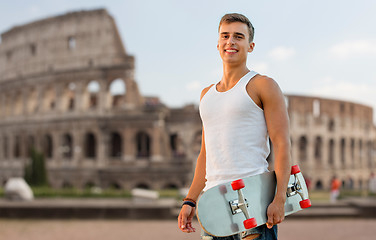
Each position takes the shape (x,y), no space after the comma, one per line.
(332,138)
(59,92)
(55,81)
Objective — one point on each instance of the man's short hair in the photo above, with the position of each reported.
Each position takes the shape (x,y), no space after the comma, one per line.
(236,17)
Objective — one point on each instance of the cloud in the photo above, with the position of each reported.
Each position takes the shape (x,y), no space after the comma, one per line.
(193,86)
(260,67)
(34,10)
(282,53)
(356,92)
(347,49)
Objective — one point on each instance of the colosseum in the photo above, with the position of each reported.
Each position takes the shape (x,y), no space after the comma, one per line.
(332,138)
(68,89)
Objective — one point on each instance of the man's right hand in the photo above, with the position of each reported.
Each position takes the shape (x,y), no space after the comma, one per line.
(185,219)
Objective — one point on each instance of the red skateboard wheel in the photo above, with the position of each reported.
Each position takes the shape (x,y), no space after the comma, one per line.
(250,223)
(237,185)
(295,169)
(306,203)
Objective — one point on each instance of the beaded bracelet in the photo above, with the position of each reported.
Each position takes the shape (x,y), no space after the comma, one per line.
(190,199)
(189,203)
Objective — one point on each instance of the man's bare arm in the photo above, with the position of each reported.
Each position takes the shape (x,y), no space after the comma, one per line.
(271,99)
(187,212)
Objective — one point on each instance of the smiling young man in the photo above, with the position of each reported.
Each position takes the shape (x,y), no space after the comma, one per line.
(239,114)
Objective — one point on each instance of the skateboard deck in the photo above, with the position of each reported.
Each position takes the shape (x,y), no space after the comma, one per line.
(237,206)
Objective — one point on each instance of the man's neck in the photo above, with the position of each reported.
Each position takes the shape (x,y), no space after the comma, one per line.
(231,75)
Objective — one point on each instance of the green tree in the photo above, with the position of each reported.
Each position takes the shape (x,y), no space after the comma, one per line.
(35,172)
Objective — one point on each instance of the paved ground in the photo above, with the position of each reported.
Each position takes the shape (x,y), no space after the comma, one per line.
(291,229)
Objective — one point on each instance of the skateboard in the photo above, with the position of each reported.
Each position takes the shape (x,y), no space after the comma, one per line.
(237,206)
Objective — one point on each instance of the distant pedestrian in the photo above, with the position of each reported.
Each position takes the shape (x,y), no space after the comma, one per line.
(334,189)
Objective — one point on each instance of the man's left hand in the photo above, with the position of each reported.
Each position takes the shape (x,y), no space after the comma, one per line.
(275,213)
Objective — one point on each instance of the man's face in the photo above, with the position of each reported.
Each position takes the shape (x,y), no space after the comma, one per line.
(233,43)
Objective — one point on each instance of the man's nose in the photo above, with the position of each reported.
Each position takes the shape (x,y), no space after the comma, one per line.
(231,40)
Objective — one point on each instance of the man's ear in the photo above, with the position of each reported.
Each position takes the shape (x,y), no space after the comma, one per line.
(218,46)
(251,47)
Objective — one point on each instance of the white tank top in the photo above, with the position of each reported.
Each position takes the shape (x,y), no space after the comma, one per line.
(236,137)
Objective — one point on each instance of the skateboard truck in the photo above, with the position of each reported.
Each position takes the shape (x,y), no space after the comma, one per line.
(241,204)
(296,188)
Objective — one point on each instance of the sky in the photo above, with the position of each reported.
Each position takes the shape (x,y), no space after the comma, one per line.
(324,48)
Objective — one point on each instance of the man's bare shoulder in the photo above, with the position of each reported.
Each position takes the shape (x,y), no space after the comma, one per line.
(263,80)
(264,84)
(263,89)
(205,90)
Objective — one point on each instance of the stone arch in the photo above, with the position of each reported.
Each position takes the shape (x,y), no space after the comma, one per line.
(373,157)
(360,182)
(30,144)
(143,145)
(360,146)
(331,125)
(5,105)
(117,91)
(352,151)
(343,152)
(17,146)
(5,147)
(2,105)
(68,98)
(71,43)
(115,185)
(4,181)
(66,184)
(89,184)
(18,104)
(319,185)
(369,154)
(48,146)
(196,142)
(90,146)
(1,147)
(142,186)
(303,143)
(91,95)
(32,101)
(318,149)
(176,145)
(67,147)
(331,152)
(116,143)
(49,100)
(171,186)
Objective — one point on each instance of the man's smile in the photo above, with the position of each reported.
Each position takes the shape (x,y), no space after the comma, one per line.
(231,50)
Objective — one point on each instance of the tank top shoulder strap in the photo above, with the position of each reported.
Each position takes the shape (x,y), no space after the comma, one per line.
(245,80)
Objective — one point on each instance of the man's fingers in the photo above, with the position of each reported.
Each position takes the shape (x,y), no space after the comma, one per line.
(185,220)
(269,223)
(183,223)
(273,220)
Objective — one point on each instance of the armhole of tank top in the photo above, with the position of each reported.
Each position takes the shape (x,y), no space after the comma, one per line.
(247,95)
(210,87)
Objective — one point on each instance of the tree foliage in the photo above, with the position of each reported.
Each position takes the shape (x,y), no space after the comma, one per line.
(35,172)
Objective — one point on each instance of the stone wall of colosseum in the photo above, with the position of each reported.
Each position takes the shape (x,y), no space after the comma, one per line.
(332,138)
(68,89)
